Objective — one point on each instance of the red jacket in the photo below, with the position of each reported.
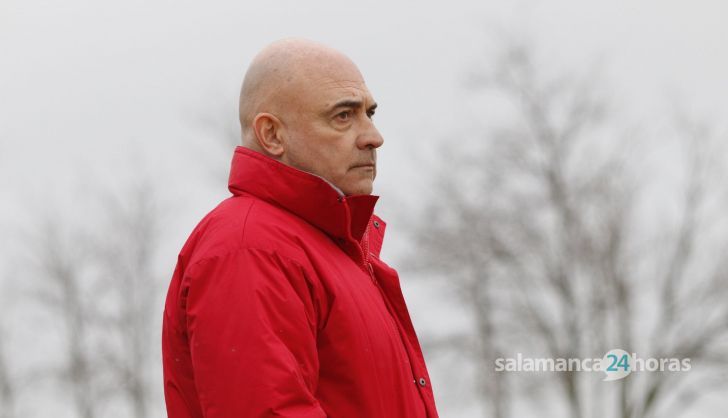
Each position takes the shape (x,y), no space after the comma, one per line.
(280,307)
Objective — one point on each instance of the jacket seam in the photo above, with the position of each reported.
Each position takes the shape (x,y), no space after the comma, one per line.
(241,249)
(245,222)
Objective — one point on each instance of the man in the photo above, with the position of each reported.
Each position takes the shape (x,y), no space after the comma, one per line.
(279,305)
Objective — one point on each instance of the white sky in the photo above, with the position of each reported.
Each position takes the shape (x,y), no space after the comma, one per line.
(87,86)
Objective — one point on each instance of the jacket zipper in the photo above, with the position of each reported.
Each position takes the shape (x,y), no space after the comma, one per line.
(364,250)
(370,270)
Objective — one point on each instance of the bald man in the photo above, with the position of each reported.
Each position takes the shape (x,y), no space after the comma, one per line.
(280,305)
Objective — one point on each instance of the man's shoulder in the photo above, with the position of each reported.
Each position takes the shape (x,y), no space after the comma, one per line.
(246,222)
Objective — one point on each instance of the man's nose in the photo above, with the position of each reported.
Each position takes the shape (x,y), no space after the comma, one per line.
(370,138)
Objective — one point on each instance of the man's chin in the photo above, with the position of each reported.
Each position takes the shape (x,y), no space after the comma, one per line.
(358,189)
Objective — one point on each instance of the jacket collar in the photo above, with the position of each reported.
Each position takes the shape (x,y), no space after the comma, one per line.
(306,195)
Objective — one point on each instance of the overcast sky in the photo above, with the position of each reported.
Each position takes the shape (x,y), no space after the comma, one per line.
(86,83)
(87,87)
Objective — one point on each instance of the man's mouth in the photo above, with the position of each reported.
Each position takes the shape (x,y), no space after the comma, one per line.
(364,165)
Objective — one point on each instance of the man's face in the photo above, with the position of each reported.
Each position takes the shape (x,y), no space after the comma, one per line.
(329,130)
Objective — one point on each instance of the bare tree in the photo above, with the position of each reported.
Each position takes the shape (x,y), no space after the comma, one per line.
(62,291)
(97,276)
(538,227)
(691,284)
(125,255)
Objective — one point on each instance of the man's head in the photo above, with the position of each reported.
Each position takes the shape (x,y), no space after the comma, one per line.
(307,106)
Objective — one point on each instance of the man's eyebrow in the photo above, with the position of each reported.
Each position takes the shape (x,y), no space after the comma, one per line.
(352,103)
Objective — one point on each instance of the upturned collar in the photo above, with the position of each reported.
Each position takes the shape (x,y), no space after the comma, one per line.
(306,195)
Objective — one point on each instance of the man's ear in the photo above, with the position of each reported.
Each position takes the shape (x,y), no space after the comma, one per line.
(268,129)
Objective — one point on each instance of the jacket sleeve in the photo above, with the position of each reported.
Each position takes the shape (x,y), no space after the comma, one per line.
(252,328)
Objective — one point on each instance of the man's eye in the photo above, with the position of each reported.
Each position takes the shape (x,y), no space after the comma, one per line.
(344,116)
(370,114)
